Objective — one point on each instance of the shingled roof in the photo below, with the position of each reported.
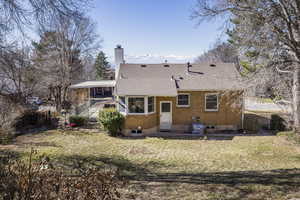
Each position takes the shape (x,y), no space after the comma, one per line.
(167,79)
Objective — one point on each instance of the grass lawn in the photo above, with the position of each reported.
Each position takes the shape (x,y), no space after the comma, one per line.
(256,167)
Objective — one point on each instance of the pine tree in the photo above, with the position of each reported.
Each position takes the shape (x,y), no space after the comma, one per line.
(102,66)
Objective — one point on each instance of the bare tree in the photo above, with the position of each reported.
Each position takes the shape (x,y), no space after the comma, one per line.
(17,82)
(267,28)
(17,77)
(17,17)
(19,14)
(89,68)
(221,52)
(64,44)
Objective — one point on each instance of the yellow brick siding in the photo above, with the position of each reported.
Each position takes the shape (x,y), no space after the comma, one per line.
(145,121)
(229,113)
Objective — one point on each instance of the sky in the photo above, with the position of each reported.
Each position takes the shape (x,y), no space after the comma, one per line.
(152,31)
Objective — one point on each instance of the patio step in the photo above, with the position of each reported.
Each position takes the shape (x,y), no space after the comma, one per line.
(169,136)
(179,136)
(187,136)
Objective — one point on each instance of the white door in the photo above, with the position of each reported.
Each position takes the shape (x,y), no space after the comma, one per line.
(165,115)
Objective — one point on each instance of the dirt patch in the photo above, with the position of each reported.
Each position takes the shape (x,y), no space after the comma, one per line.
(139,150)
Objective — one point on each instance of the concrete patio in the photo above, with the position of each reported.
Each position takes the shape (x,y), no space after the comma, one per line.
(218,135)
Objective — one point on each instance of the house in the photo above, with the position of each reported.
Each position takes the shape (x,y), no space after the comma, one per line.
(91,96)
(170,97)
(96,91)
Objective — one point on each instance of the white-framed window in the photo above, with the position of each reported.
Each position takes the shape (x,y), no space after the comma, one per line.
(136,105)
(212,102)
(151,104)
(183,100)
(122,104)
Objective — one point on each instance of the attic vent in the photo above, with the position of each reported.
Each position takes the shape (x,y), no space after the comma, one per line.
(212,65)
(166,65)
(143,65)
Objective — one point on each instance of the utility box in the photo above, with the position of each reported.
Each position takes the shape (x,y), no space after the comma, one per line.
(198,128)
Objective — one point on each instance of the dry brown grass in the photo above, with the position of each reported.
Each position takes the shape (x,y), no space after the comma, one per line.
(256,167)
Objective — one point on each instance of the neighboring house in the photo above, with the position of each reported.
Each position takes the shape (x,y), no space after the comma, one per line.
(170,97)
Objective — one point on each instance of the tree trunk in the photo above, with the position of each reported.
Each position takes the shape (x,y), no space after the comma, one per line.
(56,93)
(296,97)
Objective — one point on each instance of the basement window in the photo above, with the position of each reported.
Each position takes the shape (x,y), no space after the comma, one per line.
(211,102)
(136,131)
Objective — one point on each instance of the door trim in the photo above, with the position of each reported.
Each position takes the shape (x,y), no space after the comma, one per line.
(171,111)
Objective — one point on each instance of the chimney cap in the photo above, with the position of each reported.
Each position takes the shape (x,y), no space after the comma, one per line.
(119,46)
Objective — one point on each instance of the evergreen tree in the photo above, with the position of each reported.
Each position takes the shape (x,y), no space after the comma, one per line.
(102,66)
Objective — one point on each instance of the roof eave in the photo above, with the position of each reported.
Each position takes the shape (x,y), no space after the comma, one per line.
(141,94)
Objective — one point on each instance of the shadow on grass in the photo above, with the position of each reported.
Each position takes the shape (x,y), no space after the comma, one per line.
(289,177)
(142,177)
(143,172)
(218,185)
(271,184)
(38,144)
(78,163)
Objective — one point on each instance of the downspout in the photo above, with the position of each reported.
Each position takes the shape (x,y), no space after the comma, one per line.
(89,103)
(243,109)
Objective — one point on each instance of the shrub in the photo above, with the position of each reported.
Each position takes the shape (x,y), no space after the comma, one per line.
(32,118)
(78,120)
(277,123)
(41,180)
(5,138)
(291,136)
(112,121)
(28,118)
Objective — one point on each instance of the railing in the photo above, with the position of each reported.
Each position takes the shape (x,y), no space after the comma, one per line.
(92,106)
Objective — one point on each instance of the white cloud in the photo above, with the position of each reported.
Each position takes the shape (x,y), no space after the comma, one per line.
(155,58)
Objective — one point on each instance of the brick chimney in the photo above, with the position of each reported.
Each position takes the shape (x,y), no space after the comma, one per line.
(119,59)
